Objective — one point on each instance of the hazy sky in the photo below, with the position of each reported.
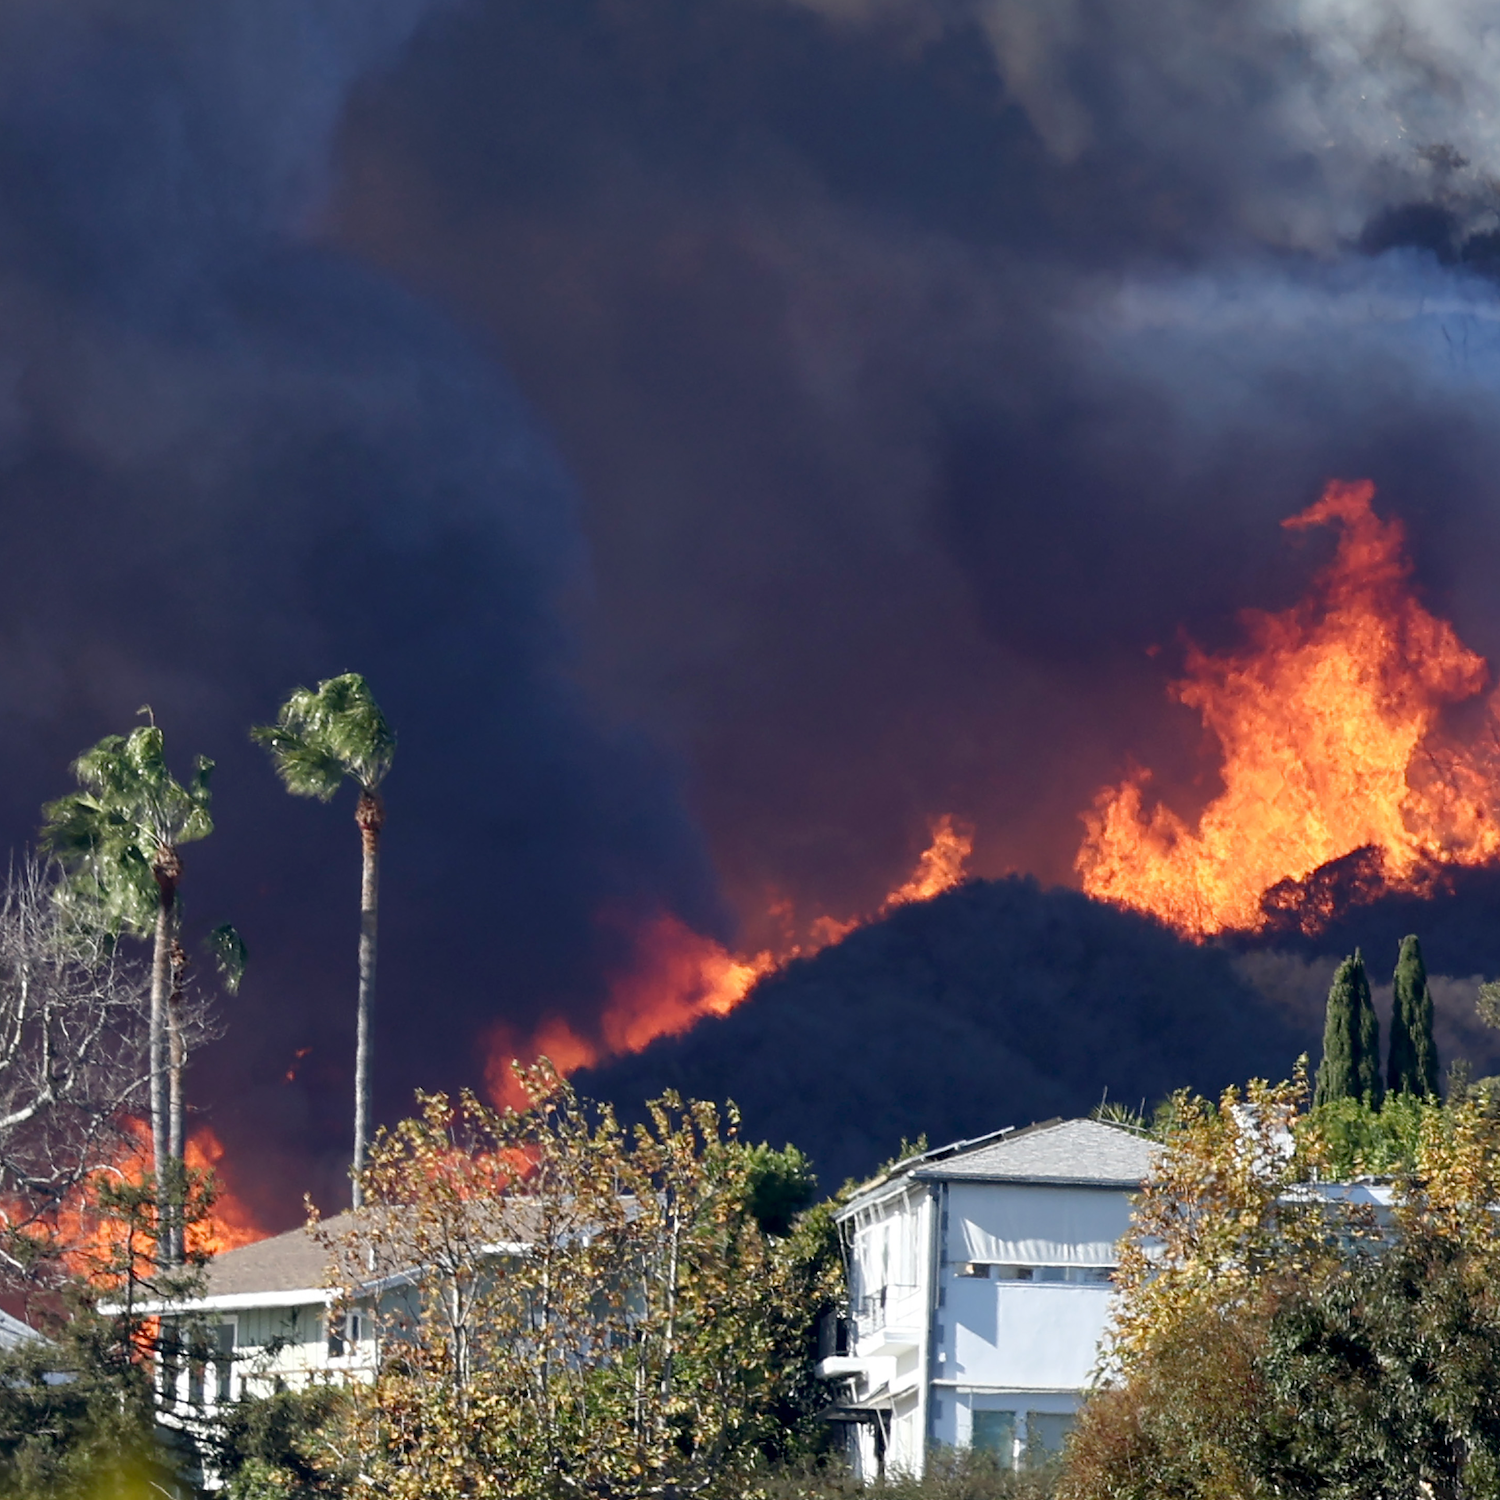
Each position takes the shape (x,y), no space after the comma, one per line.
(727,433)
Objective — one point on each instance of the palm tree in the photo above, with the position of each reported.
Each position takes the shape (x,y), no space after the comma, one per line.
(118,838)
(318,739)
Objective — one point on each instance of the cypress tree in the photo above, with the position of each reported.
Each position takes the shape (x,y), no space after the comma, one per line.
(1351,1039)
(1413,1063)
(1370,1078)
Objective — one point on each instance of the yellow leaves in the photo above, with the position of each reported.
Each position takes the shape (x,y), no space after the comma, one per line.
(566,1306)
(1243,1200)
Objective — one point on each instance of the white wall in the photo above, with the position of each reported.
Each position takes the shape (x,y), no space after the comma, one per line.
(1023,1335)
(998,1344)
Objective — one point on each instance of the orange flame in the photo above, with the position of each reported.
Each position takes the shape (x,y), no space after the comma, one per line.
(229,1223)
(1329,724)
(681,976)
(84,1240)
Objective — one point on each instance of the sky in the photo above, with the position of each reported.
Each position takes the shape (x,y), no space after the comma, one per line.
(727,435)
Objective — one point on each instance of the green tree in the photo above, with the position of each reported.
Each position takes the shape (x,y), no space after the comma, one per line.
(1350,1068)
(81,1409)
(119,838)
(1413,1064)
(319,738)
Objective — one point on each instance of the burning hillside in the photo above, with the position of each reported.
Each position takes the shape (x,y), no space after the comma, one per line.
(681,976)
(1334,748)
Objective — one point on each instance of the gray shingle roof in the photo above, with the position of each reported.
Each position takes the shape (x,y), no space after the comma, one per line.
(287,1262)
(1060,1151)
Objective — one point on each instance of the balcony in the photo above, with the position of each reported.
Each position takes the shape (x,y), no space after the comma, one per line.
(888,1322)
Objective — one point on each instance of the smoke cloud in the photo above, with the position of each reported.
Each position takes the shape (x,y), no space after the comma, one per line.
(927,366)
(895,382)
(235,459)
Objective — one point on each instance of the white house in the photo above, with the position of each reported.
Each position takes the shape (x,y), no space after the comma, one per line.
(980,1279)
(271,1324)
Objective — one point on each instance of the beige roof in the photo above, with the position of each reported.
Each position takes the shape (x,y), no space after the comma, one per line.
(299,1261)
(285,1263)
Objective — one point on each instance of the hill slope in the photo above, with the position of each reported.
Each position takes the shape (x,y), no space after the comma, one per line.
(996,1004)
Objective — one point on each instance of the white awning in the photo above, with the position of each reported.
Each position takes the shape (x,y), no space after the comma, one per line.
(1014,1224)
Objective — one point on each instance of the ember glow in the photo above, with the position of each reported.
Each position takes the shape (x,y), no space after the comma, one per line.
(1330,725)
(681,976)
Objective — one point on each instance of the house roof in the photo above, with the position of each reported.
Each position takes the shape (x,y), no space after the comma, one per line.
(297,1267)
(13,1331)
(1078,1153)
(1085,1152)
(288,1262)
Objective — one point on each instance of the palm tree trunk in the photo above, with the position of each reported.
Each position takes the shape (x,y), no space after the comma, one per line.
(176,1057)
(370,815)
(161,969)
(166,868)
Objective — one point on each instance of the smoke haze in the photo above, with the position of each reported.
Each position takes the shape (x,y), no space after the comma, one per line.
(895,382)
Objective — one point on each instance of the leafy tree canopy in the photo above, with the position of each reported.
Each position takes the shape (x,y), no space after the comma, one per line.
(118,834)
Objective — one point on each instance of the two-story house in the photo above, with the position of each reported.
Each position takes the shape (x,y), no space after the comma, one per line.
(980,1279)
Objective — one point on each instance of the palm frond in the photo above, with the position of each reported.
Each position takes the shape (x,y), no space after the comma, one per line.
(323,735)
(230,955)
(129,809)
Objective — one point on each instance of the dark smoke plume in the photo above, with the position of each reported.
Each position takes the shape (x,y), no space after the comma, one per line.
(234,460)
(927,364)
(914,368)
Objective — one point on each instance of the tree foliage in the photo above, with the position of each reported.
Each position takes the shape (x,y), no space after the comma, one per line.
(320,737)
(119,833)
(1283,1333)
(1350,1068)
(82,1409)
(326,733)
(573,1309)
(1413,1063)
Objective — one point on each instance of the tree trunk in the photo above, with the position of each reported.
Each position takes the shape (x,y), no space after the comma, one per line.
(370,815)
(176,1056)
(166,869)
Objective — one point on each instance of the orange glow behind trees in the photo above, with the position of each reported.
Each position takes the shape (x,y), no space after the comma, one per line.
(1329,722)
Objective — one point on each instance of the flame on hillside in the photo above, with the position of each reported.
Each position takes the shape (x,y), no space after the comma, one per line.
(84,1240)
(1329,723)
(680,976)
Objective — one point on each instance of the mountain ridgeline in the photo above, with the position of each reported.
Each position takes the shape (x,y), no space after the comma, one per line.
(1001,1003)
(996,1004)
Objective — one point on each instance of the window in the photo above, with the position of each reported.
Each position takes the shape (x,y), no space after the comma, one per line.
(1070,1275)
(344,1333)
(223,1359)
(974,1268)
(995,1432)
(1045,1431)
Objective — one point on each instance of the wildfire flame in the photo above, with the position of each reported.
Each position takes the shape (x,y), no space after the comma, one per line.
(681,976)
(229,1223)
(83,1239)
(1329,721)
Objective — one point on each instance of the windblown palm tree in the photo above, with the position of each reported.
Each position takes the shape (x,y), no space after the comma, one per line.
(118,838)
(318,739)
